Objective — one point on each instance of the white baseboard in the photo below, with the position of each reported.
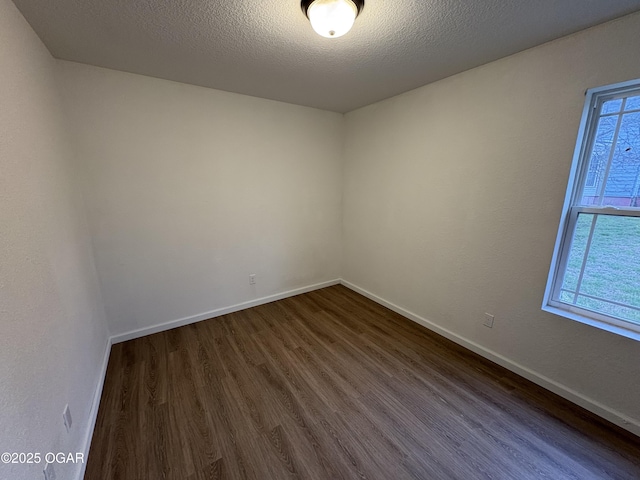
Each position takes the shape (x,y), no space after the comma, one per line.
(141,332)
(95,405)
(593,406)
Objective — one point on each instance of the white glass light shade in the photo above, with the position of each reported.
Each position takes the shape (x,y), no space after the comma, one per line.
(332,18)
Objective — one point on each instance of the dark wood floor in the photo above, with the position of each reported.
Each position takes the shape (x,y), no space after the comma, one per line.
(329,385)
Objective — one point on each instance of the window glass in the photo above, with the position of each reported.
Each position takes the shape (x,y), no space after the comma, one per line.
(600,154)
(622,180)
(611,106)
(633,103)
(604,266)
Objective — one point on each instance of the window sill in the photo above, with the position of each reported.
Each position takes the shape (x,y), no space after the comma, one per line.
(601,324)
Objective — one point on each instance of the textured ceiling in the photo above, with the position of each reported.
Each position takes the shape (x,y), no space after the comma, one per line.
(266,48)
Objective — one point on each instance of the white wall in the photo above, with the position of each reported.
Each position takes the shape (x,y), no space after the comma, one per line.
(53,333)
(452,199)
(189,190)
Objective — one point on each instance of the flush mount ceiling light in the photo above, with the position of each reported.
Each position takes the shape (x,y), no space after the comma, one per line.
(332,18)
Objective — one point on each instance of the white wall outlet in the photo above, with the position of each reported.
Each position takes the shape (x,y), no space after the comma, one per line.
(252,279)
(49,472)
(488,320)
(66,417)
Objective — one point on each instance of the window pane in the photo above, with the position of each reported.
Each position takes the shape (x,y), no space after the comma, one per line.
(612,106)
(633,103)
(599,159)
(624,174)
(608,308)
(610,278)
(576,253)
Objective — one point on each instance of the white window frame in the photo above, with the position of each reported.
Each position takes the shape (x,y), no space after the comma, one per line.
(595,97)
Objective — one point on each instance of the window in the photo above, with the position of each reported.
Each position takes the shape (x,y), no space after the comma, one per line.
(595,272)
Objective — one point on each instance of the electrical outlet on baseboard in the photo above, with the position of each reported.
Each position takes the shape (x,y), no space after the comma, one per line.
(488,320)
(252,279)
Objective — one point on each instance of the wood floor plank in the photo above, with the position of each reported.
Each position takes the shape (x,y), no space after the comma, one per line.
(330,385)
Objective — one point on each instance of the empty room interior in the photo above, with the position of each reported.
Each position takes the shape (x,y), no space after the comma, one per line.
(328,239)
